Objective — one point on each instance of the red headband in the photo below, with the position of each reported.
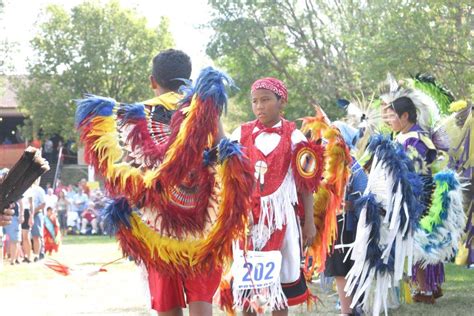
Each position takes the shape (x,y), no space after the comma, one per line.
(272,84)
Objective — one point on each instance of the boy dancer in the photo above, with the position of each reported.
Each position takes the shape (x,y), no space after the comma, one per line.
(158,164)
(270,142)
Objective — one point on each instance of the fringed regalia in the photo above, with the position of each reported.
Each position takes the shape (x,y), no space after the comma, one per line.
(286,164)
(407,218)
(175,210)
(388,216)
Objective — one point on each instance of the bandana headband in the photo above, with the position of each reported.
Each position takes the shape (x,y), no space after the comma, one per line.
(272,84)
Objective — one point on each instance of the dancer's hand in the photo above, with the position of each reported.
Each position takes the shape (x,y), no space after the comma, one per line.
(309,233)
(6,217)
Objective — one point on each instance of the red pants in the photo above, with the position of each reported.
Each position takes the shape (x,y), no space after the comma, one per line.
(168,292)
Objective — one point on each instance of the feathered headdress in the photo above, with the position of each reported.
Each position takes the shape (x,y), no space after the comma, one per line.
(361,113)
(426,106)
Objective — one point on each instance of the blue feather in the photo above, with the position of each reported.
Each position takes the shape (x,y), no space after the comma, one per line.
(399,165)
(93,106)
(115,214)
(342,103)
(211,84)
(133,111)
(228,148)
(374,253)
(449,177)
(207,157)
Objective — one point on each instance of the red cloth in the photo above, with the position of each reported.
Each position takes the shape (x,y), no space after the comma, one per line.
(278,162)
(50,244)
(89,215)
(272,84)
(168,292)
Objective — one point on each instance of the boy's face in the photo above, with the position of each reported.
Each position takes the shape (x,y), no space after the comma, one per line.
(267,107)
(391,118)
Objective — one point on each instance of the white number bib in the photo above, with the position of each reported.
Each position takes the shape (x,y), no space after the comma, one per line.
(257,270)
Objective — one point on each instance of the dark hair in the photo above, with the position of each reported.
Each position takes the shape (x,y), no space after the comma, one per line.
(170,67)
(405,104)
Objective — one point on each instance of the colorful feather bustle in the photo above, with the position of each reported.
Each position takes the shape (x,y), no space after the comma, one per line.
(315,126)
(389,213)
(440,230)
(237,183)
(166,211)
(98,133)
(330,196)
(194,253)
(134,119)
(199,127)
(318,250)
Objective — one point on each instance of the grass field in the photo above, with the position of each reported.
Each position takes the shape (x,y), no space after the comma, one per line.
(33,289)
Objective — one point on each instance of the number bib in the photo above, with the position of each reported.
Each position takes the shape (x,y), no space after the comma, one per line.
(258,269)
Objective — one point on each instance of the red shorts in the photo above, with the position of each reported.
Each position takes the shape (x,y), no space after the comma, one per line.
(167,292)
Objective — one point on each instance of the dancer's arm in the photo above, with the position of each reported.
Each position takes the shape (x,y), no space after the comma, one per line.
(309,228)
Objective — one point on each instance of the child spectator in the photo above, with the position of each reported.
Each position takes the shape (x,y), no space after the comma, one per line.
(52,233)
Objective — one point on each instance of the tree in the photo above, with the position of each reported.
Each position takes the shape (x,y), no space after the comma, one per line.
(99,49)
(6,48)
(329,49)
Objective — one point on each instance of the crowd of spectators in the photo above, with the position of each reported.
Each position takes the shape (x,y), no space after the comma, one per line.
(49,214)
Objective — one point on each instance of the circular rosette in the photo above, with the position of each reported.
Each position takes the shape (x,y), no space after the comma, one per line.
(308,165)
(306,162)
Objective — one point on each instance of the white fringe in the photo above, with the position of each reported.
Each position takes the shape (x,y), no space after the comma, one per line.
(361,278)
(274,296)
(275,209)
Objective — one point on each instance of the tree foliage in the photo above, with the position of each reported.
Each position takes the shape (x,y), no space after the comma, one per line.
(329,49)
(6,48)
(99,49)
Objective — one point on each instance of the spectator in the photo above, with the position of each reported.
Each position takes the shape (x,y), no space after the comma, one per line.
(36,143)
(62,207)
(48,150)
(83,184)
(26,225)
(13,231)
(7,141)
(90,217)
(52,234)
(80,201)
(70,193)
(50,199)
(6,217)
(38,196)
(59,187)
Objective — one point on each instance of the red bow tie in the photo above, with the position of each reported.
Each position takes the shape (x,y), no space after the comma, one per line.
(263,129)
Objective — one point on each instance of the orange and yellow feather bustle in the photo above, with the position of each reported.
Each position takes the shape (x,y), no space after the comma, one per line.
(329,199)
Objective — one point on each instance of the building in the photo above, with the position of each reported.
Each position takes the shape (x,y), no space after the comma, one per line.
(11,144)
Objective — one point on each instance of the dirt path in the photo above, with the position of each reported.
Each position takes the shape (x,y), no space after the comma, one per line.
(33,289)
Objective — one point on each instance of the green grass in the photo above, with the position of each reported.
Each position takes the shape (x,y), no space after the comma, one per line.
(458,296)
(81,239)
